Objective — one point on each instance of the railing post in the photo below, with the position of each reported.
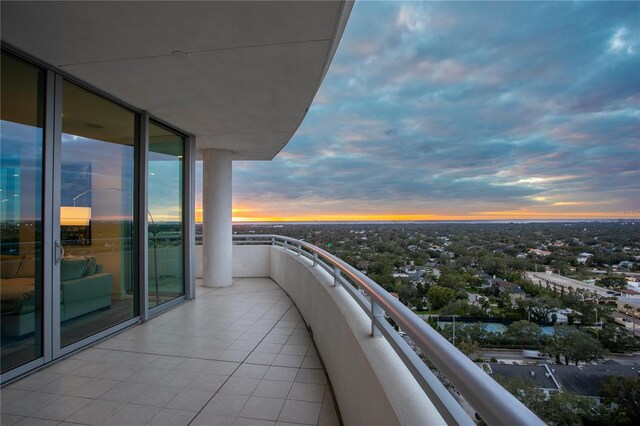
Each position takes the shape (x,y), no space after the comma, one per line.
(286,245)
(336,275)
(377,314)
(273,241)
(299,249)
(315,259)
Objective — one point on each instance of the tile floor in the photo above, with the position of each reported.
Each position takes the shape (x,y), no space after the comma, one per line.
(233,356)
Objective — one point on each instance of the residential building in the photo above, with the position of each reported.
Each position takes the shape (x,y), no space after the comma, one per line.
(583,380)
(583,258)
(536,374)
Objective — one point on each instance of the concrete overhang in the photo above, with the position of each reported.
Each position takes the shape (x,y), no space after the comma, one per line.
(237,75)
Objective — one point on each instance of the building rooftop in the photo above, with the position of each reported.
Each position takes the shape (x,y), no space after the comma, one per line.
(536,374)
(584,380)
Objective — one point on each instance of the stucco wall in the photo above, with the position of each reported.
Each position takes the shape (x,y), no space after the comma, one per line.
(248,261)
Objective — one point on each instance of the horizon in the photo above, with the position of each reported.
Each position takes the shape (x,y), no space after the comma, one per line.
(468,221)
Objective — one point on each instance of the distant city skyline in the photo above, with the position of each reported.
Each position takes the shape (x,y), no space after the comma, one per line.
(455,110)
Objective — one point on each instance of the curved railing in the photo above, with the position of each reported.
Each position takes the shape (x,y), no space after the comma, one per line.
(494,404)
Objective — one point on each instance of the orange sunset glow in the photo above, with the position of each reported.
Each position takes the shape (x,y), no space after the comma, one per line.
(241,215)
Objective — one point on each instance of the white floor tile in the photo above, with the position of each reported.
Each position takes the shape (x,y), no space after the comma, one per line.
(307,392)
(243,421)
(61,408)
(240,386)
(132,415)
(328,416)
(35,381)
(31,421)
(207,382)
(272,389)
(29,403)
(157,396)
(96,412)
(288,360)
(251,371)
(190,399)
(241,355)
(9,419)
(226,404)
(171,417)
(306,375)
(285,374)
(261,358)
(262,408)
(8,395)
(211,419)
(300,412)
(94,389)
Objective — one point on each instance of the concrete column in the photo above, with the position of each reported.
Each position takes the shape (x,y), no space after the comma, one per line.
(216,220)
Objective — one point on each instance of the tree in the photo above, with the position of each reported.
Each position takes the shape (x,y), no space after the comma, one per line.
(574,345)
(475,332)
(540,308)
(462,308)
(582,347)
(564,408)
(524,332)
(625,393)
(407,293)
(469,348)
(617,339)
(440,296)
(560,408)
(612,281)
(451,279)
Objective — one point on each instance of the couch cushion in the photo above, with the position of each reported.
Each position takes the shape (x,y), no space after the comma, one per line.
(9,267)
(91,267)
(72,268)
(18,295)
(27,268)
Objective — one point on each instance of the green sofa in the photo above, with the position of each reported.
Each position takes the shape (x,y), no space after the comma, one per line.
(84,288)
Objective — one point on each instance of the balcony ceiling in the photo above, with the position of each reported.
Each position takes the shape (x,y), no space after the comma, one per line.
(237,75)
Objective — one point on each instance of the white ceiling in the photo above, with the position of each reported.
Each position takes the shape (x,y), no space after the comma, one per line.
(237,75)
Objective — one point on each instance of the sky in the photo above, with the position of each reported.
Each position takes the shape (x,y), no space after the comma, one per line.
(457,110)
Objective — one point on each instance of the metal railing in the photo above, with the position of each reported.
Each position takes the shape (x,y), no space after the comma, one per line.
(494,404)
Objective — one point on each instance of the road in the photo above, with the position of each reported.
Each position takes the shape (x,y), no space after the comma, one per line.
(511,355)
(627,321)
(541,278)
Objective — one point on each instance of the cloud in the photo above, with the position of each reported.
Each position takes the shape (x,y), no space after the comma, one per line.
(623,42)
(461,107)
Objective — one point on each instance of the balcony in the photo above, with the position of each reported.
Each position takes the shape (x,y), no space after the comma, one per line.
(300,337)
(231,356)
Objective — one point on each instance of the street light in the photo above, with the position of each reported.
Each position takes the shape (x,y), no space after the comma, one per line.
(454,329)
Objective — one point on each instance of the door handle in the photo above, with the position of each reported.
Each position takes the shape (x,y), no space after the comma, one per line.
(59,252)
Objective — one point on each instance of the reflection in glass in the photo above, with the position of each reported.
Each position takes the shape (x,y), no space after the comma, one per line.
(166,239)
(97,283)
(21,149)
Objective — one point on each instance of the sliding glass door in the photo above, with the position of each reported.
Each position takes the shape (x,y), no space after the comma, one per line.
(96,277)
(165,215)
(74,206)
(21,205)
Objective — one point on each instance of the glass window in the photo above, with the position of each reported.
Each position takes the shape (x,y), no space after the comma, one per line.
(21,156)
(97,278)
(166,221)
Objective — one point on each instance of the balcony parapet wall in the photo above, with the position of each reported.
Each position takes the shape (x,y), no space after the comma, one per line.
(371,384)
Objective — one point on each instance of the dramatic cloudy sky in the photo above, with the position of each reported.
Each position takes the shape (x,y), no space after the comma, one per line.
(465,110)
